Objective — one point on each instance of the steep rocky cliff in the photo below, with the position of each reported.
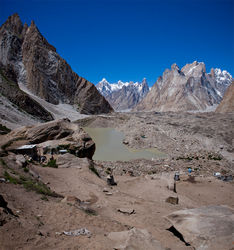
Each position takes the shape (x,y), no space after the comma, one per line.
(190,88)
(123,95)
(41,70)
(227,104)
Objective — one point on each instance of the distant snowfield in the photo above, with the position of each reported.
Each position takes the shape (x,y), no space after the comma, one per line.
(104,85)
(59,111)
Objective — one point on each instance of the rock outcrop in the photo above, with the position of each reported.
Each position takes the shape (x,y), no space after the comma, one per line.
(210,227)
(55,134)
(188,89)
(3,205)
(40,69)
(136,239)
(71,161)
(5,212)
(123,95)
(227,104)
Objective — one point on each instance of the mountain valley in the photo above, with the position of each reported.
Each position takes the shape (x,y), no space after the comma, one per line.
(174,189)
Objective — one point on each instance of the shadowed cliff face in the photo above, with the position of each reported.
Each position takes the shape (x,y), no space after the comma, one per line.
(23,102)
(190,88)
(40,68)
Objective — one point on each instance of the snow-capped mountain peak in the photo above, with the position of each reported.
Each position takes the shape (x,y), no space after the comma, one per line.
(222,76)
(103,80)
(103,85)
(188,89)
(126,90)
(222,80)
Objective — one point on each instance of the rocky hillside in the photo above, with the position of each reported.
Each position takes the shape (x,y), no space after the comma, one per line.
(189,88)
(123,95)
(10,90)
(227,104)
(40,69)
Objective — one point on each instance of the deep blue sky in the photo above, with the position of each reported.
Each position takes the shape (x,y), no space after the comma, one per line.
(129,40)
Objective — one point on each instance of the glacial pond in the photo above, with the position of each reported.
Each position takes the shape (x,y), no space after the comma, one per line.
(110,147)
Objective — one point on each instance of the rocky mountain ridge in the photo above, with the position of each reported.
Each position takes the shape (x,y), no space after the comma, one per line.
(123,95)
(188,89)
(41,70)
(227,104)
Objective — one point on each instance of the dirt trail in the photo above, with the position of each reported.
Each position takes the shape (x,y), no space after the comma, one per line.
(39,220)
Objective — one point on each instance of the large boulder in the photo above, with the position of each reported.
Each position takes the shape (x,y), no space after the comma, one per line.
(49,131)
(71,161)
(210,227)
(55,134)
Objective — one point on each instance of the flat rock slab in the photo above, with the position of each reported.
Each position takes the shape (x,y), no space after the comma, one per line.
(210,227)
(71,161)
(134,239)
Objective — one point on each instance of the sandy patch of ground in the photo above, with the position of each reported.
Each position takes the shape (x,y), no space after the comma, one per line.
(39,220)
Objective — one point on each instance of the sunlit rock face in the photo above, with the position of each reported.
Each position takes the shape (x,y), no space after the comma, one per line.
(188,89)
(227,104)
(43,72)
